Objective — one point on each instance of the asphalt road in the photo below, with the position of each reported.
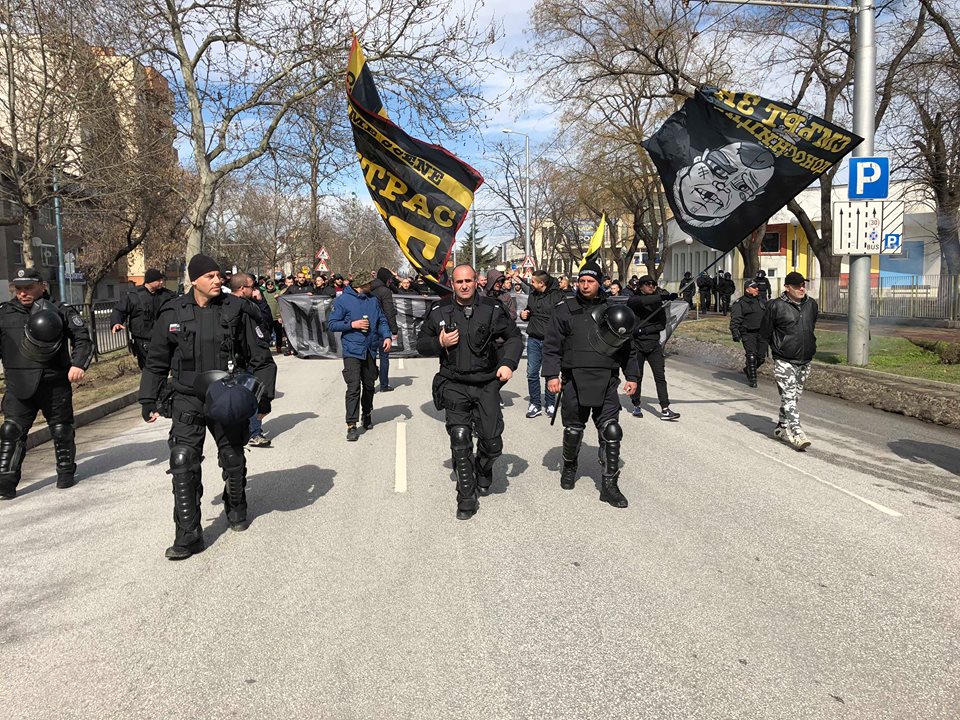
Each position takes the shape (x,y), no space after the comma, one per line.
(745,580)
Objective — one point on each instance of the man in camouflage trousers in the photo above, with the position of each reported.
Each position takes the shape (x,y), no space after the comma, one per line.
(788,326)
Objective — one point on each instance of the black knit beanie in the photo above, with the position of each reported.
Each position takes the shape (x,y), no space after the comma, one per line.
(152,275)
(384,276)
(200,265)
(592,268)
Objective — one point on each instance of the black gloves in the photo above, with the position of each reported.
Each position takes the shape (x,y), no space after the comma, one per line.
(672,296)
(736,337)
(264,406)
(146,409)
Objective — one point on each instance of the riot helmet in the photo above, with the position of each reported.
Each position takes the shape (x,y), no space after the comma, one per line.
(43,333)
(229,399)
(613,326)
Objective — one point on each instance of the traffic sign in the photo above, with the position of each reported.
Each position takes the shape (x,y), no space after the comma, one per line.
(869,178)
(322,254)
(322,267)
(528,263)
(868,228)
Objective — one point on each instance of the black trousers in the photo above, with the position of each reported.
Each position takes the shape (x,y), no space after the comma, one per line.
(139,348)
(704,300)
(189,428)
(653,355)
(476,406)
(360,376)
(575,415)
(54,398)
(753,343)
(724,306)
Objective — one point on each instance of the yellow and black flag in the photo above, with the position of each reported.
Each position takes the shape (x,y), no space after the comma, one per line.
(422,191)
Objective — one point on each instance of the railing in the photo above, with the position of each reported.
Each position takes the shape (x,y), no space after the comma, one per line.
(97,317)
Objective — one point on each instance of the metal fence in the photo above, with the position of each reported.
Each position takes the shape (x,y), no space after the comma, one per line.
(932,297)
(104,339)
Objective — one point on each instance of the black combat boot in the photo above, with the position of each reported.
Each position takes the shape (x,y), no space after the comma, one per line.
(751,370)
(461,445)
(234,488)
(187,490)
(610,435)
(572,437)
(487,453)
(65,448)
(12,450)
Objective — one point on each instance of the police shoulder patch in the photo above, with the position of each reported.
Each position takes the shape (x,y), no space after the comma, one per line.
(174,328)
(259,332)
(77,320)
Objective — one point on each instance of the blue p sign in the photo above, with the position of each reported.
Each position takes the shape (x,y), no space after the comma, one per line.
(869,178)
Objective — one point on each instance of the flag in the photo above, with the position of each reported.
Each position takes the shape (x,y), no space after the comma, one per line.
(728,161)
(596,242)
(421,191)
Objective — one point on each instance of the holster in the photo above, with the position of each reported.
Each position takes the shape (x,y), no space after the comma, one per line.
(437,390)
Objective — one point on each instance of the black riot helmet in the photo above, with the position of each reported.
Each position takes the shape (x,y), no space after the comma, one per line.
(43,333)
(614,326)
(229,399)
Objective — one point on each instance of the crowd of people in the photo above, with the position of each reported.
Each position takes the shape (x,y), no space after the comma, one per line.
(207,361)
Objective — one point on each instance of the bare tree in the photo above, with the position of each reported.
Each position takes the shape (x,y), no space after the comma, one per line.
(360,242)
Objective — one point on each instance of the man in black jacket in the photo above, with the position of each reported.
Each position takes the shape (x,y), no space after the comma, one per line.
(463,329)
(788,325)
(687,288)
(138,310)
(380,289)
(763,284)
(583,354)
(746,316)
(39,367)
(199,337)
(301,286)
(705,288)
(544,295)
(648,306)
(726,289)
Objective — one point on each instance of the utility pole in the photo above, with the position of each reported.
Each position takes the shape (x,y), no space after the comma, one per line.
(473,240)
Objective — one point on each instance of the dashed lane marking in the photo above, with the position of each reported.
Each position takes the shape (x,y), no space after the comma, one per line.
(400,469)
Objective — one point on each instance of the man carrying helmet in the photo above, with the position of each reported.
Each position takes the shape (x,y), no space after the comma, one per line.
(39,367)
(205,340)
(586,345)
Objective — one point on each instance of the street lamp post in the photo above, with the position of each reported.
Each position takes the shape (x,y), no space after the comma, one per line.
(526,192)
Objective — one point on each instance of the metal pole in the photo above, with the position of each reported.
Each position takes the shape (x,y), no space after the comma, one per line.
(473,243)
(864,108)
(59,225)
(526,202)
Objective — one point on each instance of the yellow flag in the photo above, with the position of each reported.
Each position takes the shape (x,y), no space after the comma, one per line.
(596,241)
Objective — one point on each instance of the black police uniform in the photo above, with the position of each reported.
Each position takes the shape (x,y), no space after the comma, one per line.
(138,311)
(467,386)
(589,386)
(763,284)
(688,286)
(725,288)
(189,340)
(39,385)
(705,287)
(651,321)
(746,315)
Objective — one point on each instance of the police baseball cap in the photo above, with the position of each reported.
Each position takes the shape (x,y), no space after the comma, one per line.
(27,276)
(751,284)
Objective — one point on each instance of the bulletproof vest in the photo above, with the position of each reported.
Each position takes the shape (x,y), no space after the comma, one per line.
(577,351)
(208,338)
(476,352)
(13,320)
(144,310)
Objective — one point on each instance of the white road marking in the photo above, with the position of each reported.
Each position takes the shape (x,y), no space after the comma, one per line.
(400,363)
(876,506)
(400,470)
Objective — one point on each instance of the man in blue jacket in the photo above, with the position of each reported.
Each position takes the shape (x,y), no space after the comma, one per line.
(363,329)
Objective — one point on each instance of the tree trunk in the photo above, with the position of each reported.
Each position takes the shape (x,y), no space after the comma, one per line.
(948,236)
(197,220)
(27,225)
(822,247)
(749,249)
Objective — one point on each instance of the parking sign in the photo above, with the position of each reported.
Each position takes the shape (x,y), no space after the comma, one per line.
(869,178)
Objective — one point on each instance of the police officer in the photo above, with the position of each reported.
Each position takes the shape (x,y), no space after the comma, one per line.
(200,337)
(586,345)
(763,284)
(138,310)
(745,318)
(725,289)
(705,288)
(39,367)
(687,288)
(464,330)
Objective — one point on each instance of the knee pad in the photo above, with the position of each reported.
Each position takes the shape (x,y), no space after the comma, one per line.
(461,436)
(230,459)
(183,459)
(612,431)
(494,446)
(573,434)
(63,432)
(11,432)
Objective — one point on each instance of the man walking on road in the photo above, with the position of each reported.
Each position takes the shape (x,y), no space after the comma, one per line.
(464,330)
(788,326)
(364,331)
(138,310)
(542,301)
(381,289)
(746,315)
(648,306)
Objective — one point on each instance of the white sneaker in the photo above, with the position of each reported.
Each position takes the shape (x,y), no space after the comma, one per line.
(533,411)
(799,439)
(551,410)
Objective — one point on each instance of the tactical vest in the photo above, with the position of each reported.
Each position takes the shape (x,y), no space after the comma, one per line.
(228,341)
(577,352)
(476,352)
(144,310)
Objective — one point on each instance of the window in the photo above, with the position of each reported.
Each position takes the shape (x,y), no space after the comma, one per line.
(770,243)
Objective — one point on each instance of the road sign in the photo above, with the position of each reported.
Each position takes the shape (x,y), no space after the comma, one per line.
(867,228)
(322,254)
(322,267)
(528,263)
(869,178)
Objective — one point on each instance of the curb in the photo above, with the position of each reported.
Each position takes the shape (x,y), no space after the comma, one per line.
(927,400)
(40,435)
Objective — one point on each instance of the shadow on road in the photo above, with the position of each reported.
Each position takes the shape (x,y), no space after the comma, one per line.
(396,382)
(282,423)
(760,424)
(942,456)
(428,409)
(507,396)
(507,466)
(391,412)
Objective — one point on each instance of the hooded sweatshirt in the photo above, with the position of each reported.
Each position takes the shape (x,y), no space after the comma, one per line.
(504,295)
